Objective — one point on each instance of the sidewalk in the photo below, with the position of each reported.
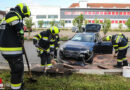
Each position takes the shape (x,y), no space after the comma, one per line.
(106,61)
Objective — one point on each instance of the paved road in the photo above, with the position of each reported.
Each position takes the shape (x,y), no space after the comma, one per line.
(32,54)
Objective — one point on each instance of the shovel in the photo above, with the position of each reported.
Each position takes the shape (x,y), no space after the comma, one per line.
(29,70)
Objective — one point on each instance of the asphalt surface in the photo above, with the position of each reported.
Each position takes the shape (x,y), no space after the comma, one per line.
(32,53)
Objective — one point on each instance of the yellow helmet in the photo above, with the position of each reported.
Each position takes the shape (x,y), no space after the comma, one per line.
(54,30)
(24,9)
(109,37)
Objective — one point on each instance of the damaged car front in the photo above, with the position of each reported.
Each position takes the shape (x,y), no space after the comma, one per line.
(79,47)
(83,46)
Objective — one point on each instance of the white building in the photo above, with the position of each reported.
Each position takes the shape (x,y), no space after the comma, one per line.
(45,13)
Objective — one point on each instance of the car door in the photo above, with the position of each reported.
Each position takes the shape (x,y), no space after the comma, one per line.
(102,47)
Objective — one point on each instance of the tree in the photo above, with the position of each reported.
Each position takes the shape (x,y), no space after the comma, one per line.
(40,23)
(52,23)
(78,21)
(106,26)
(128,23)
(120,26)
(62,23)
(85,22)
(96,21)
(29,24)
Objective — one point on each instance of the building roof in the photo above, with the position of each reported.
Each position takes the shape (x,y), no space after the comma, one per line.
(2,12)
(102,5)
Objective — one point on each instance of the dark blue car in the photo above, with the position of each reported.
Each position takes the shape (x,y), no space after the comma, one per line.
(85,45)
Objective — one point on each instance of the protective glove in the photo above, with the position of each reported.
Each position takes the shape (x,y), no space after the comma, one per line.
(116,52)
(52,53)
(36,45)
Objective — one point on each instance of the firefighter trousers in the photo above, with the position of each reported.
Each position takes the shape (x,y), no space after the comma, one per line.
(45,58)
(17,68)
(122,55)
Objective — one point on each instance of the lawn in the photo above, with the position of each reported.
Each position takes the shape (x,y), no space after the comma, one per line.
(73,82)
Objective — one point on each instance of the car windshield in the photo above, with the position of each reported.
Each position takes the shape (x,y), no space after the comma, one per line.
(83,38)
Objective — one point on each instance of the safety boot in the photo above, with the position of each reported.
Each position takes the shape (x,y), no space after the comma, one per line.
(125,63)
(119,65)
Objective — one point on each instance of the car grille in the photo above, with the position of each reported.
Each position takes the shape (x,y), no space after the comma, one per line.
(69,53)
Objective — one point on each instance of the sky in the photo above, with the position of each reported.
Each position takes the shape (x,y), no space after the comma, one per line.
(62,3)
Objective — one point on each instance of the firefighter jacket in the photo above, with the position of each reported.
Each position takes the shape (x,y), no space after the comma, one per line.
(11,33)
(43,40)
(119,42)
(57,41)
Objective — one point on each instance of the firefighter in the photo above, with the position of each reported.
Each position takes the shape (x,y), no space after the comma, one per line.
(44,42)
(56,45)
(120,44)
(11,40)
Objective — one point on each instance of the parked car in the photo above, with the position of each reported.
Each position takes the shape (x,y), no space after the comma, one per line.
(25,29)
(75,29)
(85,45)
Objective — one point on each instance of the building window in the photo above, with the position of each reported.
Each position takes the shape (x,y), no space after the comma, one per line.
(113,13)
(86,13)
(67,21)
(120,13)
(101,21)
(120,21)
(124,21)
(109,13)
(97,13)
(124,13)
(112,21)
(67,13)
(116,13)
(89,13)
(40,16)
(93,21)
(52,16)
(105,13)
(116,21)
(89,21)
(128,13)
(93,13)
(101,13)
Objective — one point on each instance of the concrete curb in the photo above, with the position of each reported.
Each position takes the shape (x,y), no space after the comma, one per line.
(100,71)
(79,71)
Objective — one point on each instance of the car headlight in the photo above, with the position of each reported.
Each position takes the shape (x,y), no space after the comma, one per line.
(84,52)
(61,48)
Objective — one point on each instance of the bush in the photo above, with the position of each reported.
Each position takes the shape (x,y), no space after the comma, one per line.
(65,38)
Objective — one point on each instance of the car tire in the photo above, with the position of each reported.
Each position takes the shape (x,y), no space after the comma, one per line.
(90,61)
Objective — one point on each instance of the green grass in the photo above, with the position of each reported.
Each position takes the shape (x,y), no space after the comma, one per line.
(74,82)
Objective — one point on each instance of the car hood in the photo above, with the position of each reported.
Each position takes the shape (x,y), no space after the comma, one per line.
(74,45)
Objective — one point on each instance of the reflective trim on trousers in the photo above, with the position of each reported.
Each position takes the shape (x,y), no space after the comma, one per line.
(119,60)
(11,52)
(122,48)
(124,59)
(16,86)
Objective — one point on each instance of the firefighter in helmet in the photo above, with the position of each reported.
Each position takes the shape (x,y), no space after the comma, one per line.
(44,41)
(11,41)
(120,44)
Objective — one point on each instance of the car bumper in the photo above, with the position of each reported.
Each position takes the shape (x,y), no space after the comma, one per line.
(73,54)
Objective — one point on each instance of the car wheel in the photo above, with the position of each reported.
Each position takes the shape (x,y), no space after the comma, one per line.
(61,55)
(90,59)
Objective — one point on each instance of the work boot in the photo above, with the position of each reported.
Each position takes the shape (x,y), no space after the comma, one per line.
(119,65)
(125,63)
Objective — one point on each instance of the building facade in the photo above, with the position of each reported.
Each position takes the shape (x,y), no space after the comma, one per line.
(117,13)
(2,14)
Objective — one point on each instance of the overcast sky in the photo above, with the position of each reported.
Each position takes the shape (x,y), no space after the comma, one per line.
(62,3)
